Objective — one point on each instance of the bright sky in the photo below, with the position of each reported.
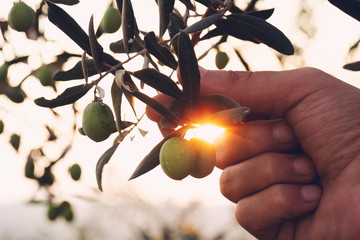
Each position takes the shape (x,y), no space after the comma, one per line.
(327,51)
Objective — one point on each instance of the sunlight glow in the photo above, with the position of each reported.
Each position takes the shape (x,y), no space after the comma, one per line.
(208,132)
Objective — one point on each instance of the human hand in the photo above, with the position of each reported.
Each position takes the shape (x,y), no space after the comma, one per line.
(272,189)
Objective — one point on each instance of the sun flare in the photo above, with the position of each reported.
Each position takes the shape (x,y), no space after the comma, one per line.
(208,132)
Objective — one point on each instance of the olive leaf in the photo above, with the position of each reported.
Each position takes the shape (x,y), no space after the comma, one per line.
(162,53)
(264,14)
(128,25)
(103,160)
(354,66)
(151,160)
(189,69)
(76,72)
(176,24)
(156,106)
(261,31)
(116,96)
(66,2)
(351,8)
(70,95)
(159,81)
(165,8)
(118,47)
(204,23)
(69,26)
(188,4)
(119,4)
(96,49)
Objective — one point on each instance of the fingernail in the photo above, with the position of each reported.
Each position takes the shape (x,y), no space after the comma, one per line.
(311,193)
(302,166)
(283,133)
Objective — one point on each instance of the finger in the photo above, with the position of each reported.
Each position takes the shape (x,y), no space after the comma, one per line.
(262,213)
(240,180)
(265,92)
(154,115)
(250,139)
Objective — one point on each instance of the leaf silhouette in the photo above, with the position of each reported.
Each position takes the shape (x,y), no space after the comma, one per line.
(262,31)
(354,66)
(188,4)
(165,8)
(204,23)
(118,47)
(162,53)
(76,72)
(176,24)
(65,2)
(128,25)
(189,69)
(69,96)
(351,7)
(116,96)
(159,81)
(103,160)
(96,49)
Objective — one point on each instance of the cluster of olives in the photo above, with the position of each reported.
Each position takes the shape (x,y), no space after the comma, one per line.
(64,209)
(180,158)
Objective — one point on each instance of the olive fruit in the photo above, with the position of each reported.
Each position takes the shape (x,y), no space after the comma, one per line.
(176,157)
(29,168)
(221,59)
(111,20)
(98,121)
(15,141)
(1,126)
(45,75)
(15,94)
(52,212)
(3,72)
(21,17)
(66,211)
(205,158)
(75,171)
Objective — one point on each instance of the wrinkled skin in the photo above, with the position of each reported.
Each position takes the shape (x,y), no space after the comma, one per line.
(274,189)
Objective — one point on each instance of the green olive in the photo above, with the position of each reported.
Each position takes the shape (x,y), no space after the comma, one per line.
(29,169)
(176,157)
(15,94)
(21,17)
(98,121)
(221,59)
(45,75)
(52,212)
(111,20)
(205,158)
(75,171)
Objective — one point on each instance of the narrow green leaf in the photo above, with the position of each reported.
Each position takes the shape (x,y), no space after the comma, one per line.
(69,26)
(65,2)
(165,8)
(350,7)
(159,81)
(128,25)
(103,160)
(96,49)
(76,72)
(157,106)
(162,53)
(176,24)
(69,96)
(118,47)
(189,69)
(188,4)
(151,160)
(354,66)
(116,96)
(204,23)
(262,31)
